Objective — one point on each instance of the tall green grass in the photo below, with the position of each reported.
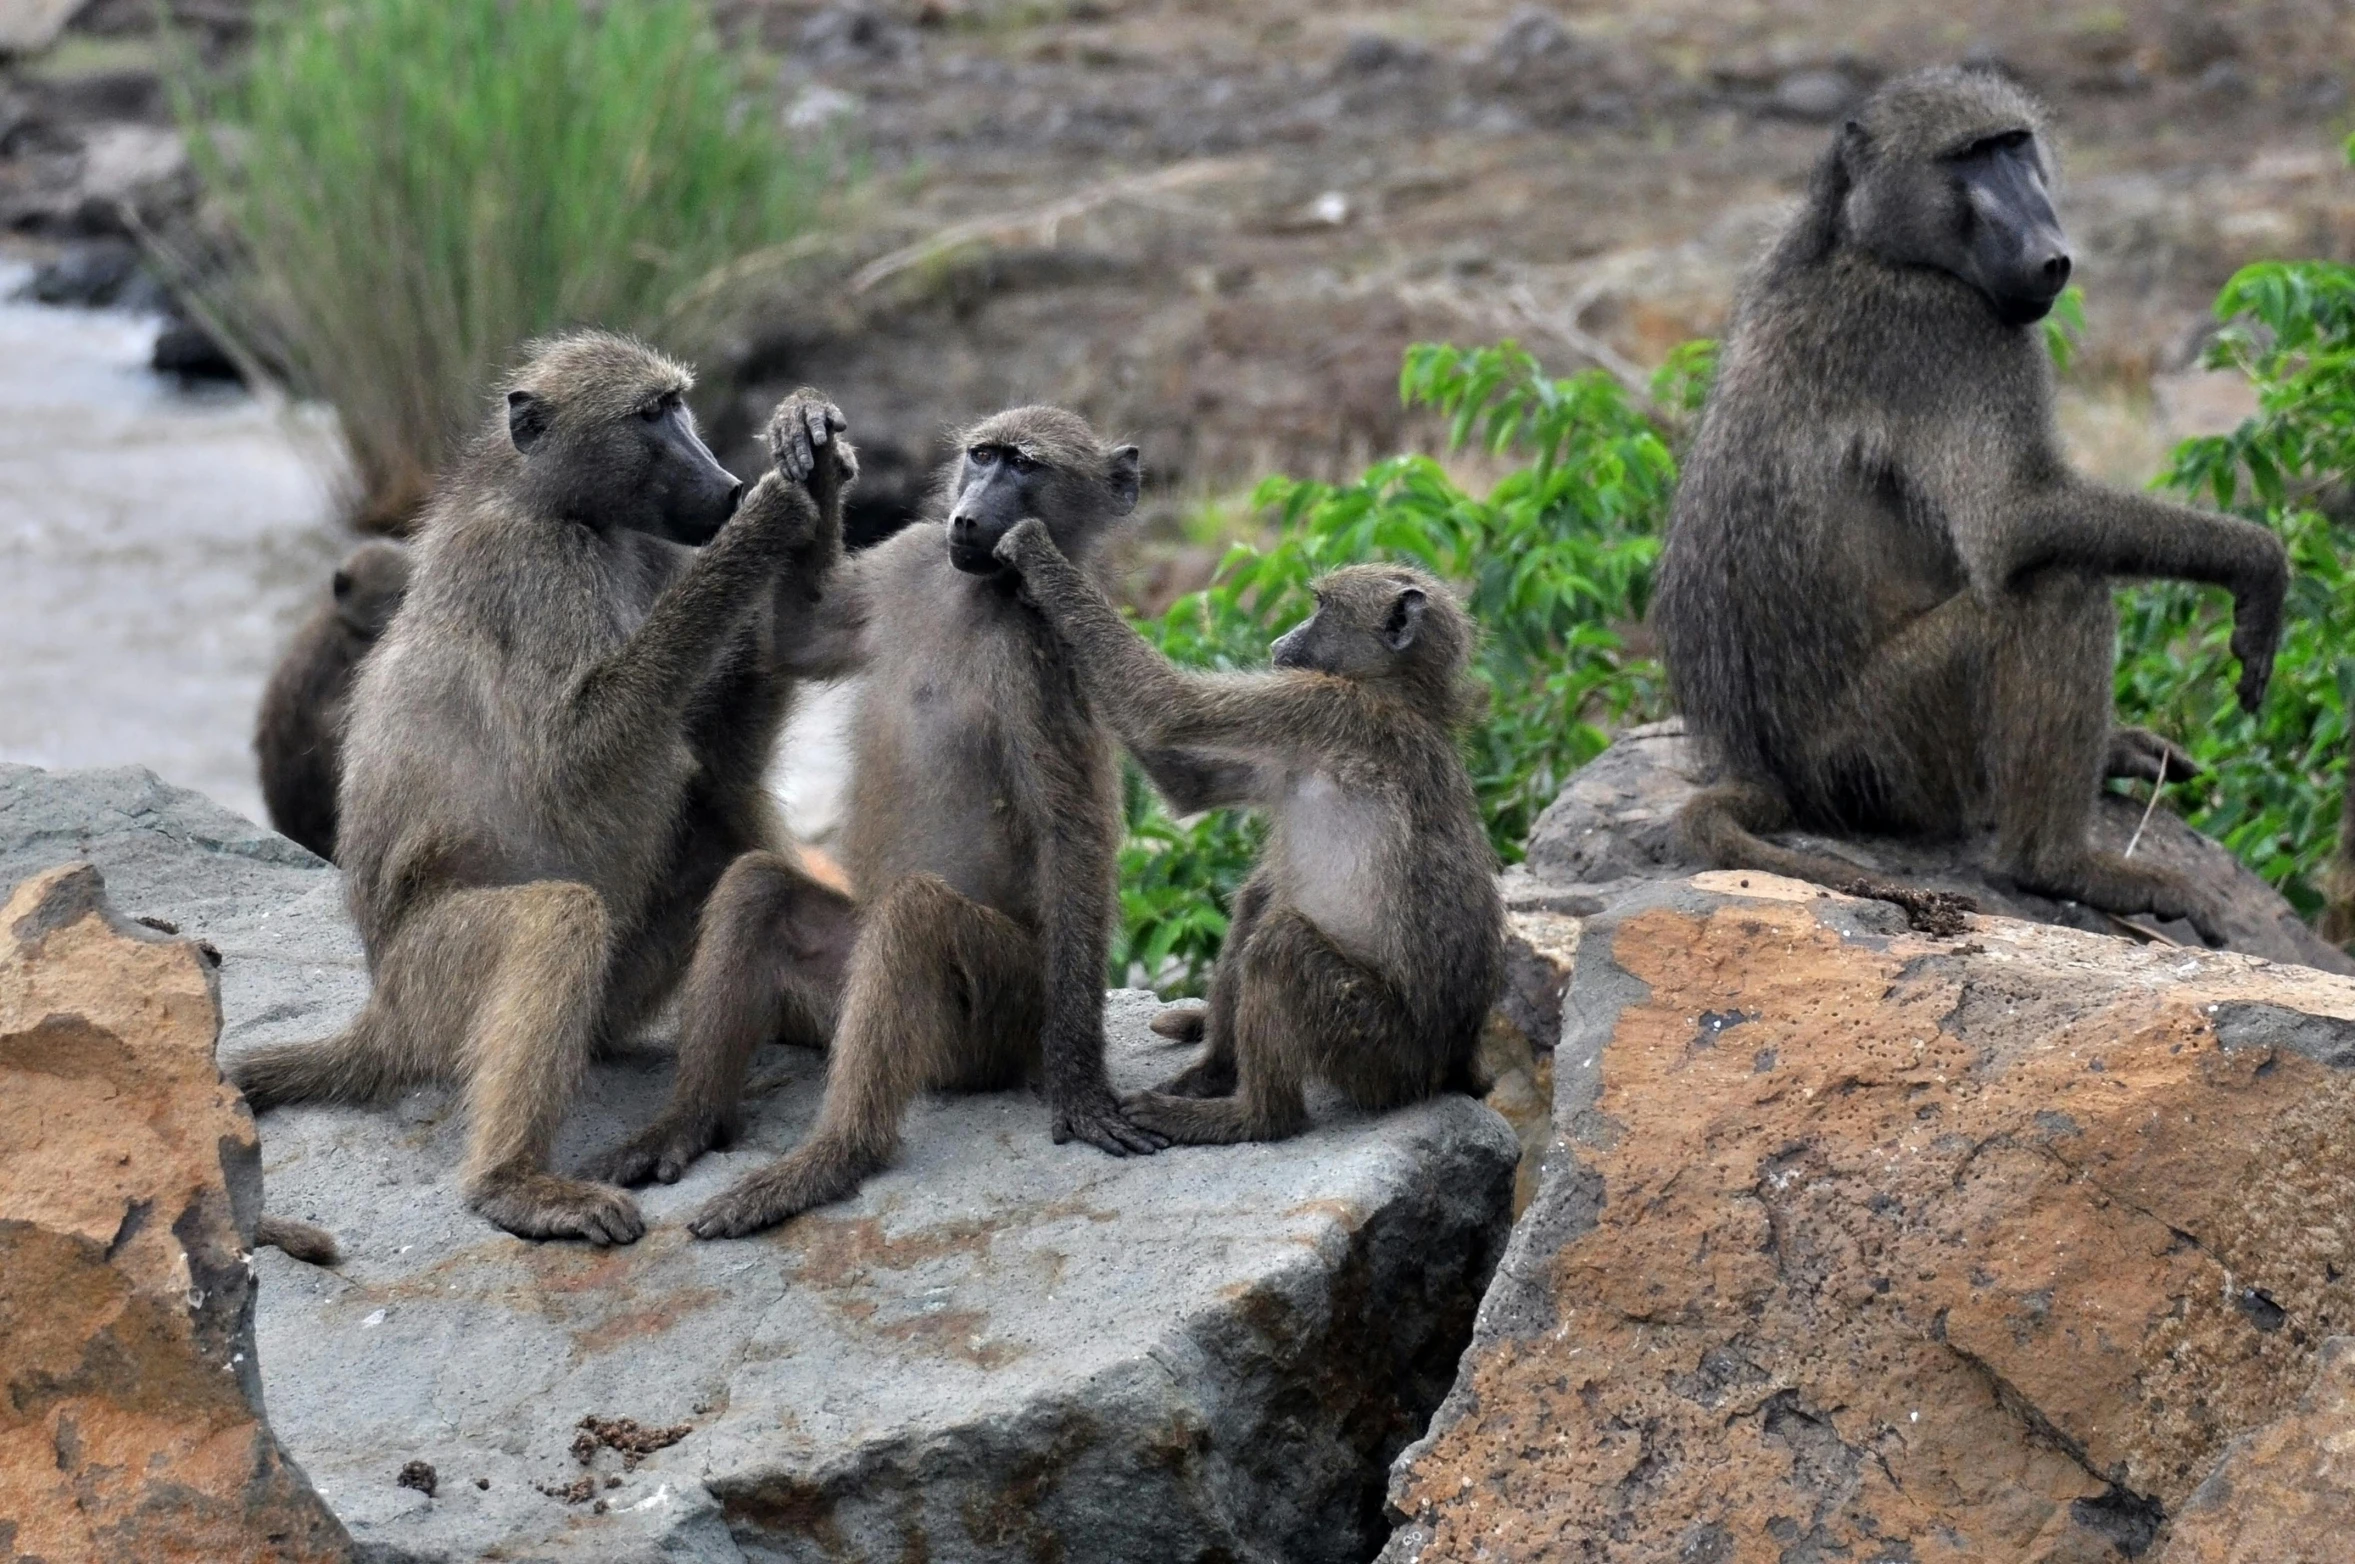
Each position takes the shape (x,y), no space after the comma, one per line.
(419,185)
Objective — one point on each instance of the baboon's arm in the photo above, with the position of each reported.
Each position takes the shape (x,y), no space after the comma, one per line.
(1193,782)
(649,680)
(826,639)
(2077,525)
(1151,703)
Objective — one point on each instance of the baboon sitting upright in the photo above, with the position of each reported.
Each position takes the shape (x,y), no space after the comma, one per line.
(298,735)
(1885,598)
(557,750)
(1368,944)
(983,836)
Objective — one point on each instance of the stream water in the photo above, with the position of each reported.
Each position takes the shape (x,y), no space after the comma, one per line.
(157,546)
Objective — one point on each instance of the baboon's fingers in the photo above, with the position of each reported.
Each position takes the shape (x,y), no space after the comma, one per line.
(809,1176)
(542,1205)
(663,1151)
(1100,1122)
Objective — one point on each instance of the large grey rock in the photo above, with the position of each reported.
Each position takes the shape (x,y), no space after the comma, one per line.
(1002,1348)
(1614,819)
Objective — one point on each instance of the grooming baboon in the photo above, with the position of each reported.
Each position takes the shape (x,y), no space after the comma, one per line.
(983,832)
(298,736)
(1885,598)
(557,750)
(1368,944)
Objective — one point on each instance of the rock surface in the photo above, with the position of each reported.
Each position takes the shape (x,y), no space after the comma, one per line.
(1860,1244)
(2285,1494)
(131,1421)
(1614,819)
(1001,1349)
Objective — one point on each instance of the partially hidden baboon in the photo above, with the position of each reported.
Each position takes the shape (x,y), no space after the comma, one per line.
(557,750)
(298,735)
(1368,943)
(1885,598)
(982,836)
(2338,876)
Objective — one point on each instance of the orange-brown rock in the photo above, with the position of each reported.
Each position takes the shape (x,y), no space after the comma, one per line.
(131,1422)
(1862,1245)
(2285,1494)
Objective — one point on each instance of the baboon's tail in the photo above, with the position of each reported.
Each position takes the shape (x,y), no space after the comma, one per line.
(348,1067)
(1720,825)
(300,1240)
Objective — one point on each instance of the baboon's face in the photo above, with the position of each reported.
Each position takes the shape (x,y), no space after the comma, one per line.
(645,468)
(369,586)
(1982,211)
(1003,478)
(1368,625)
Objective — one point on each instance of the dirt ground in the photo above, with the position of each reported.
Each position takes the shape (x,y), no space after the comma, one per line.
(1215,226)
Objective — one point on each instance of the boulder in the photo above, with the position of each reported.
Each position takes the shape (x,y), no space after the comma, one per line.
(1002,1348)
(2285,1494)
(1859,1243)
(131,1425)
(1615,818)
(29,26)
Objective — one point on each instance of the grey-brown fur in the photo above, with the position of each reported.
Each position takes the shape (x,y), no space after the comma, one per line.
(297,1240)
(557,751)
(982,836)
(1368,944)
(1885,598)
(298,733)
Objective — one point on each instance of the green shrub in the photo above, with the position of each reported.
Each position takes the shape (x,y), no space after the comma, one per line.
(1556,562)
(2272,795)
(419,185)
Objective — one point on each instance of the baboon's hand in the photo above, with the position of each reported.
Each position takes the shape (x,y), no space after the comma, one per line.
(772,508)
(1096,1118)
(1025,543)
(661,1151)
(805,440)
(2140,753)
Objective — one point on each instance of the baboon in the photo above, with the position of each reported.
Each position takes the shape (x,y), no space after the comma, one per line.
(1885,598)
(2338,876)
(982,837)
(1368,943)
(298,1240)
(298,736)
(557,751)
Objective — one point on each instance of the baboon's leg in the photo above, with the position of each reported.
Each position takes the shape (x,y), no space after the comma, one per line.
(941,992)
(1304,1009)
(1213,1075)
(2048,733)
(768,963)
(525,1045)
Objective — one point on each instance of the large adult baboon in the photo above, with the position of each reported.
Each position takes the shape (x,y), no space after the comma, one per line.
(557,751)
(982,837)
(1368,944)
(298,733)
(1885,598)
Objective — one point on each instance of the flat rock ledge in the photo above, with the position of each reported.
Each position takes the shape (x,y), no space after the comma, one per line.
(1002,1349)
(1855,1243)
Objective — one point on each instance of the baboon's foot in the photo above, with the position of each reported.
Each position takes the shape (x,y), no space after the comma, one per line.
(662,1150)
(1204,1121)
(1183,1022)
(1209,1076)
(2138,752)
(808,1176)
(542,1205)
(2119,885)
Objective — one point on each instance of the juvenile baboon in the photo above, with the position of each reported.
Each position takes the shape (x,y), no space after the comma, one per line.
(557,750)
(982,836)
(1885,598)
(1368,944)
(298,736)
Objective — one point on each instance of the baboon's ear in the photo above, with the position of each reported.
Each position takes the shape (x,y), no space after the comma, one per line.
(527,419)
(1123,477)
(1405,619)
(342,585)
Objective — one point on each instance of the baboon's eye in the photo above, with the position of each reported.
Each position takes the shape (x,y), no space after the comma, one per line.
(1987,146)
(982,455)
(1024,463)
